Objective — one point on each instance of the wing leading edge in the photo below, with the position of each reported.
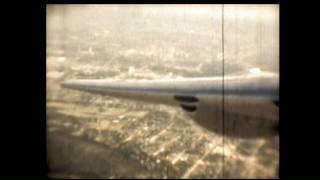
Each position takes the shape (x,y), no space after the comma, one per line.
(185,90)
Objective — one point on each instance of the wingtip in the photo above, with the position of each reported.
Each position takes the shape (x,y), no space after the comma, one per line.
(65,84)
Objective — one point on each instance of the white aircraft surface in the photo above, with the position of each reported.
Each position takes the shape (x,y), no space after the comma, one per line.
(242,106)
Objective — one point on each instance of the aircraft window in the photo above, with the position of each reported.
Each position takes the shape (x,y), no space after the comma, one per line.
(105,136)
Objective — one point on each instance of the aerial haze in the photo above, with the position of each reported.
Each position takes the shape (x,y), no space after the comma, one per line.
(95,136)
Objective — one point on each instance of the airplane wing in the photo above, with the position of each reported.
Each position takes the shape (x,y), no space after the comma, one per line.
(202,98)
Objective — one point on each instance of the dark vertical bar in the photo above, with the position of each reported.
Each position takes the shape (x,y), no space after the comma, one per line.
(222,32)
